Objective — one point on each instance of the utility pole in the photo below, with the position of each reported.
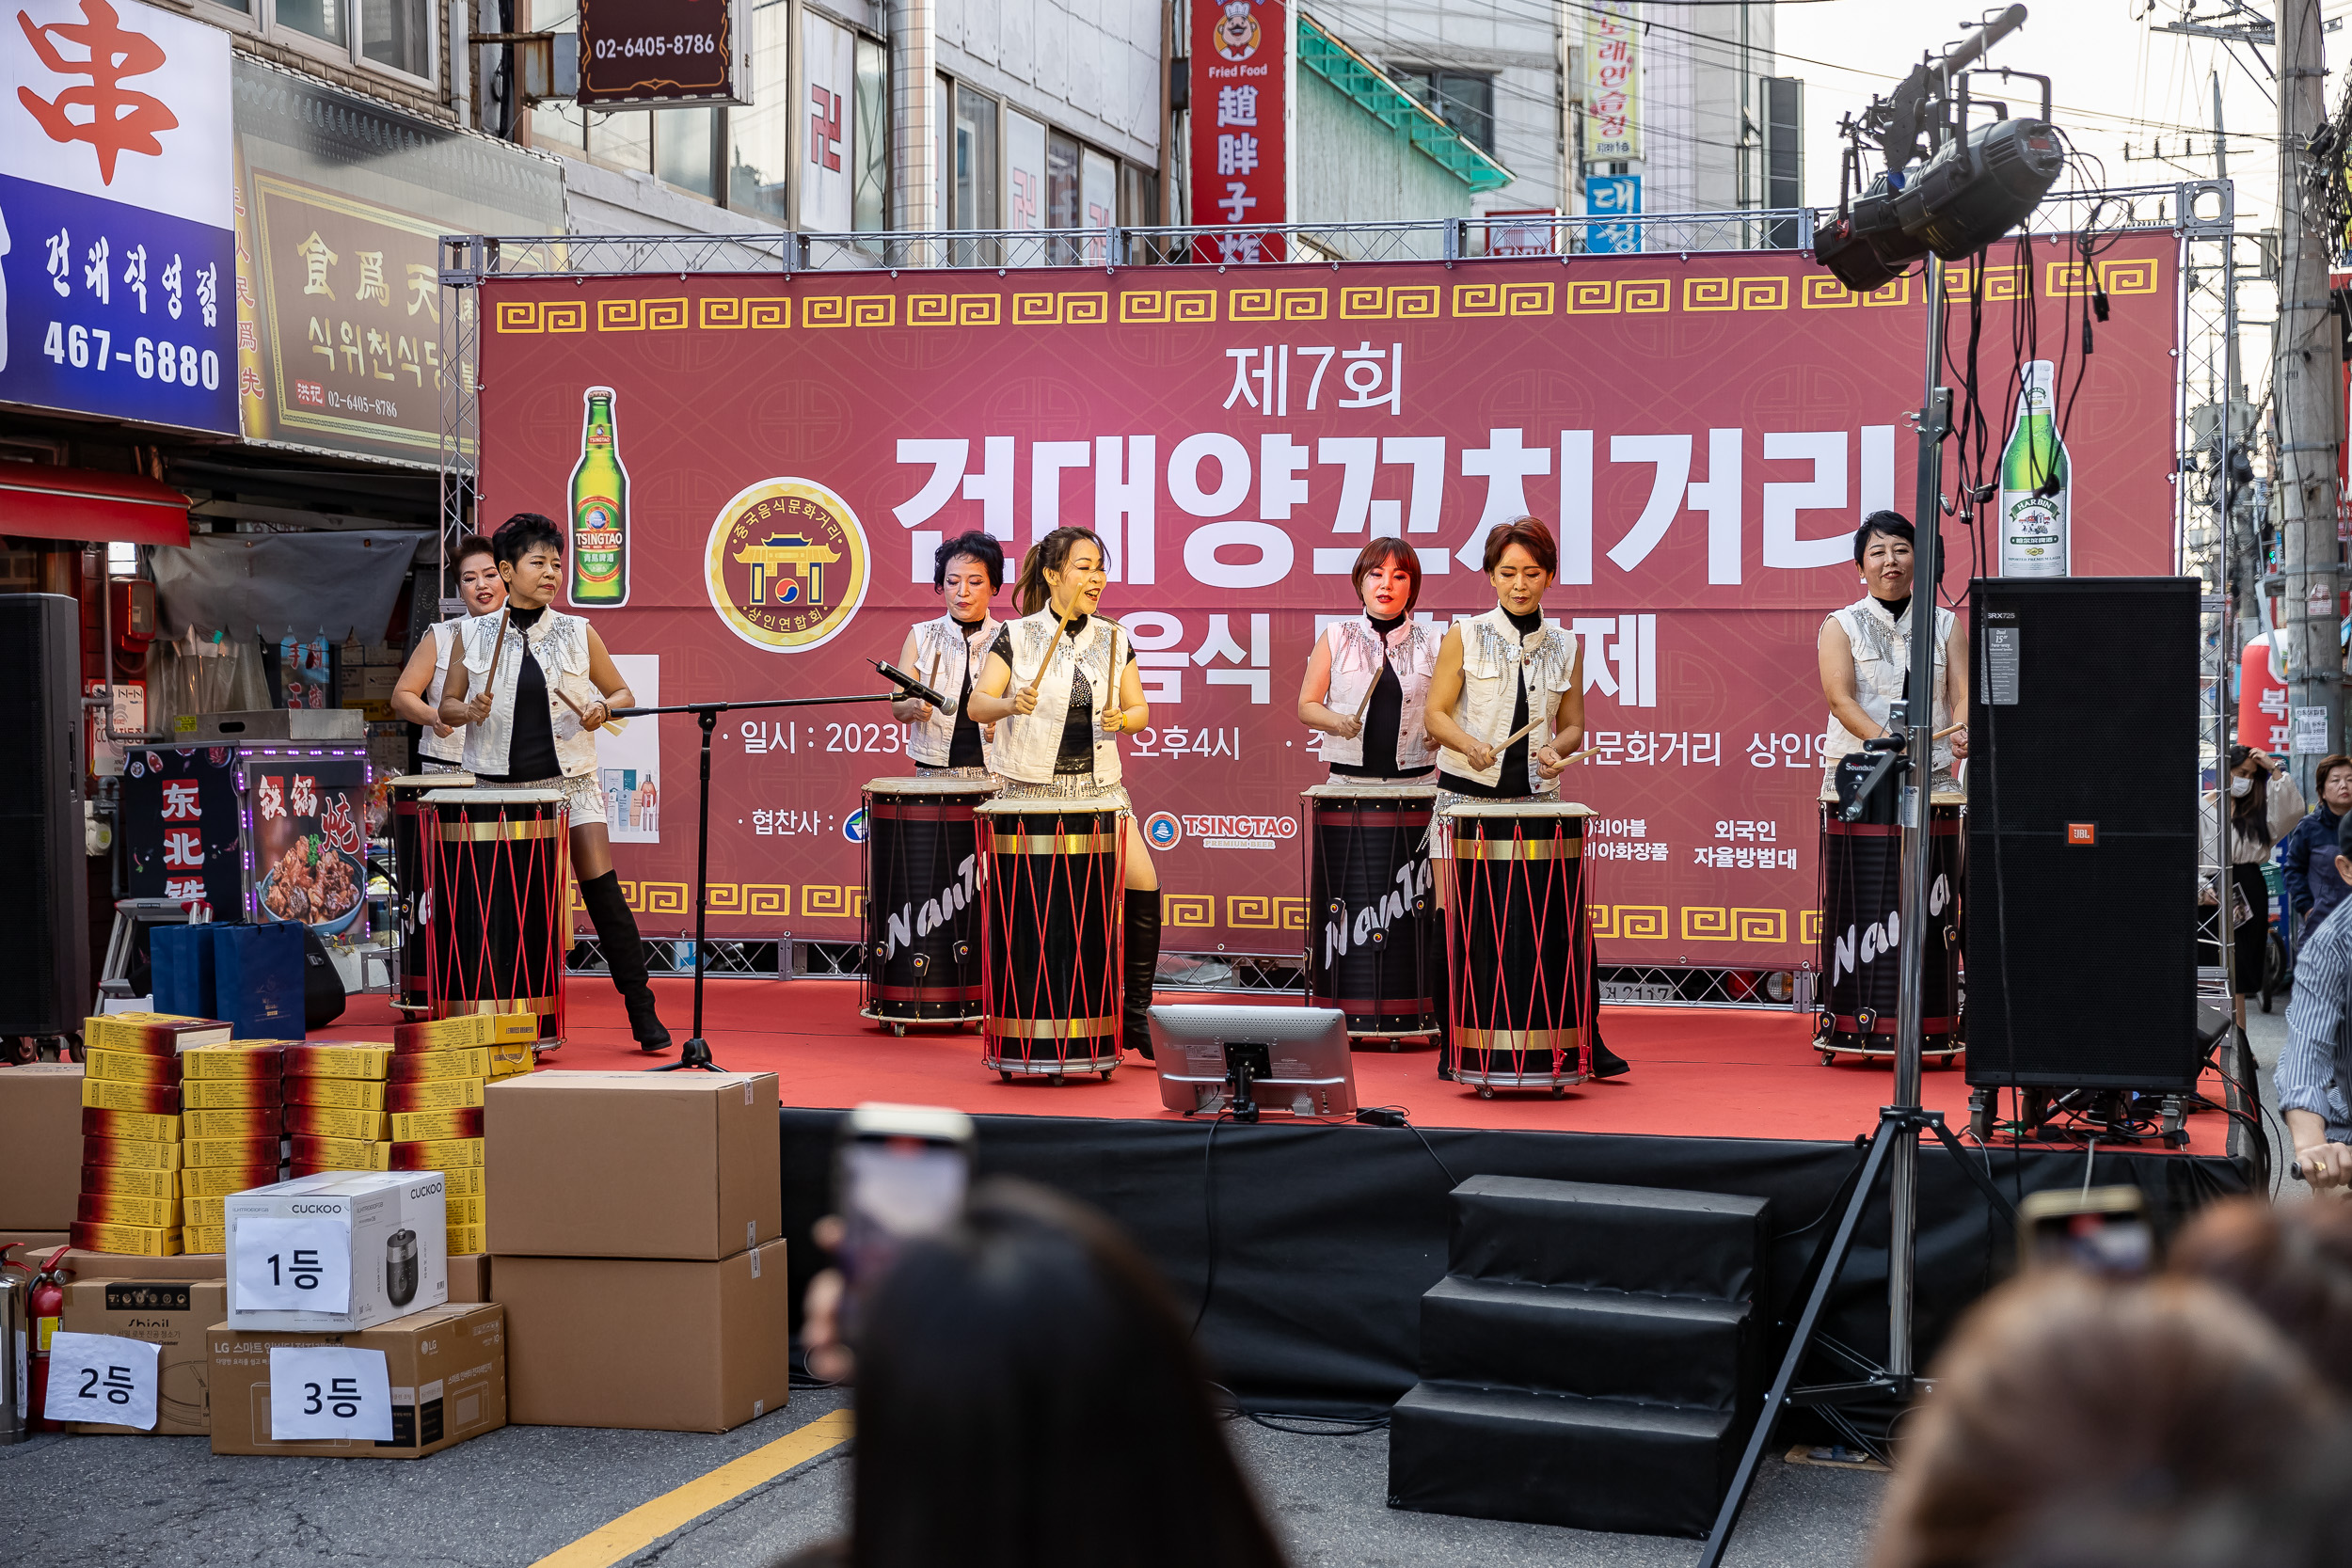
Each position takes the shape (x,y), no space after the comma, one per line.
(2305,372)
(2241,565)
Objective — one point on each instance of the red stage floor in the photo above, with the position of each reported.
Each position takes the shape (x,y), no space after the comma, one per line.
(1697,1072)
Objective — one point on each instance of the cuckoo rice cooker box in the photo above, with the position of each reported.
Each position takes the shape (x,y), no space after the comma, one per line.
(339,1250)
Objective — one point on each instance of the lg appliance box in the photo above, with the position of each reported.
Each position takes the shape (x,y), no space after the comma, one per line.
(381,1235)
(172,1314)
(447,1368)
(632,1165)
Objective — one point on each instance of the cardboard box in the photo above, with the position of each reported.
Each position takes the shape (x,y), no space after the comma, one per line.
(40,1145)
(633,1165)
(85,1264)
(508,1060)
(130,1067)
(395,1226)
(140,1153)
(220,1094)
(139,1240)
(432,1126)
(151,1034)
(437,1094)
(220,1180)
(469,1236)
(349,1094)
(438,1154)
(211,1239)
(146,1126)
(238,1122)
(469,1277)
(338,1061)
(234,1059)
(448,1369)
(329,1121)
(717,1354)
(173,1314)
(448,1034)
(342,1154)
(34,1245)
(113,1094)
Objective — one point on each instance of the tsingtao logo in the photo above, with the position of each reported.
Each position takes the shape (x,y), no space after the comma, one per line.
(786,565)
(1162,830)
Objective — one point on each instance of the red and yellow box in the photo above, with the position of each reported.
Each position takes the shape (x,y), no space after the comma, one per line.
(435,1126)
(437,1154)
(435,1094)
(220,1180)
(508,1060)
(243,1153)
(221,1094)
(464,1211)
(466,1238)
(150,1034)
(233,1121)
(203,1211)
(130,1067)
(464,1181)
(206,1238)
(131,1180)
(451,1034)
(110,1094)
(338,1061)
(235,1059)
(351,1094)
(133,1153)
(330,1121)
(146,1126)
(472,1062)
(312,1155)
(159,1213)
(138,1240)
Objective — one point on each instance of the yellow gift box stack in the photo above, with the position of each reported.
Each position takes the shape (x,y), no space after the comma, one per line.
(232,1098)
(133,1151)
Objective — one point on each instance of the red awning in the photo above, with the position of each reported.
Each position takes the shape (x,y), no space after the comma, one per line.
(41,502)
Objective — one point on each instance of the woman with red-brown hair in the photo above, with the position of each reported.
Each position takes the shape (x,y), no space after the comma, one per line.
(1367,684)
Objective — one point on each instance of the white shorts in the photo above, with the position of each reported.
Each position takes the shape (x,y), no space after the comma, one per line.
(583,797)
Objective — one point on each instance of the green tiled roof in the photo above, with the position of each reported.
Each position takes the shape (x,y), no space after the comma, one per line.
(1380,97)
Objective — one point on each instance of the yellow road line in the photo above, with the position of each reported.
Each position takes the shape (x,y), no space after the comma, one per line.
(642,1526)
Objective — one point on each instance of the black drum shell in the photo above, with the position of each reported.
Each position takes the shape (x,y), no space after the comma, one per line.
(923,905)
(1861,931)
(1373,924)
(495,871)
(1050,904)
(407,816)
(1520,947)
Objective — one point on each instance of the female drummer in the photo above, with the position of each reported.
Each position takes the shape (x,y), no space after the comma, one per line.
(966,571)
(417,697)
(1367,684)
(1497,671)
(1057,731)
(533,689)
(1864,656)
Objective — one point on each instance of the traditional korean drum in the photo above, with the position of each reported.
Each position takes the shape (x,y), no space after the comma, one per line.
(495,924)
(923,900)
(1053,874)
(1373,924)
(409,812)
(1520,943)
(1861,895)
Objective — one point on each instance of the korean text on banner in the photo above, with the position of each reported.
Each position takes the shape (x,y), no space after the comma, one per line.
(117,246)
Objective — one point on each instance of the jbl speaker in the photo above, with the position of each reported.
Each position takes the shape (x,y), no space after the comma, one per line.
(2081,902)
(44,919)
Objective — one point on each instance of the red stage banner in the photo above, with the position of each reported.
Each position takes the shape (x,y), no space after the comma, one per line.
(1702,434)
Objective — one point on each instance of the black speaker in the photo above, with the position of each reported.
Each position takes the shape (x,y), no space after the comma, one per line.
(322,996)
(2081,903)
(44,917)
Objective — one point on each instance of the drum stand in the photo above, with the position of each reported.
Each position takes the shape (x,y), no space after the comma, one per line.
(696,1053)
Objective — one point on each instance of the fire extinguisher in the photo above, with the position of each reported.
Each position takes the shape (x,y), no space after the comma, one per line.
(15,1340)
(46,1307)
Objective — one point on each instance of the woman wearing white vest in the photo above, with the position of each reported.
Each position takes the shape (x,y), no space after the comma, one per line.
(417,697)
(947,654)
(532,687)
(1367,684)
(1058,733)
(1864,653)
(1498,672)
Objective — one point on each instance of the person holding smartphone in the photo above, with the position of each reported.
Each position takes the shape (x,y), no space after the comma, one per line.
(2313,1077)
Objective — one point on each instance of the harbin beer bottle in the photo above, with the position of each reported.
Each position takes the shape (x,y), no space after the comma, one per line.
(599,511)
(2033,524)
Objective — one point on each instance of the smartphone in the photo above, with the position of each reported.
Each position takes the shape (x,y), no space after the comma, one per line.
(2103,1230)
(900,1173)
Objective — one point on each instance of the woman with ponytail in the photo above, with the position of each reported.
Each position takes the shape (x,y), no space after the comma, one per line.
(1061,687)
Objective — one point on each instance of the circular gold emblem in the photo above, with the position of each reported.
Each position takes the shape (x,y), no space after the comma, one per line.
(786,566)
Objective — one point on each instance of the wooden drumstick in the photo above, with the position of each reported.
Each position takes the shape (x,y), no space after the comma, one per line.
(931,679)
(611,726)
(1953,730)
(1059,632)
(1366,702)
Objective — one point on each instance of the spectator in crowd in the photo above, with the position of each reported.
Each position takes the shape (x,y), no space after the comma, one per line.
(2313,1078)
(2293,1262)
(2062,1393)
(1027,1397)
(2263,804)
(2307,856)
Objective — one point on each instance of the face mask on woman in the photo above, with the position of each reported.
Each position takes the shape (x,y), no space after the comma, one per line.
(2240,786)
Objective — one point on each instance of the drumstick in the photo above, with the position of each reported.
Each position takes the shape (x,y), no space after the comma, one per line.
(931,679)
(611,726)
(1038,678)
(497,650)
(1954,730)
(1366,702)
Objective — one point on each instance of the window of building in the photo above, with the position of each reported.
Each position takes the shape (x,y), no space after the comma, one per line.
(759,138)
(973,178)
(1463,98)
(686,149)
(623,140)
(870,142)
(1139,196)
(1024,171)
(558,123)
(321,19)
(399,36)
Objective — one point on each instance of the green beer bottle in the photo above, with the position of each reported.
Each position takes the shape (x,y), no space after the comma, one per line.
(599,511)
(2034,525)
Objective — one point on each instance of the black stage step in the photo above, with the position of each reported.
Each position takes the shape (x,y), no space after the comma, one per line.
(1592,1358)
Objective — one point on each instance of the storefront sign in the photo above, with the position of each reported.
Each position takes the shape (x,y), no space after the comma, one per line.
(646,53)
(116,246)
(1612,103)
(340,204)
(1240,123)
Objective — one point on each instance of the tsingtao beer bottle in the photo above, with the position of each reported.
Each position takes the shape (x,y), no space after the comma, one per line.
(2036,492)
(600,510)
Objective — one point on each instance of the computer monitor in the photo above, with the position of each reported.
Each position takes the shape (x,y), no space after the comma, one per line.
(1293,1061)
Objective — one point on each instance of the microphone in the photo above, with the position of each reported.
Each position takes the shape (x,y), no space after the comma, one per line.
(908,686)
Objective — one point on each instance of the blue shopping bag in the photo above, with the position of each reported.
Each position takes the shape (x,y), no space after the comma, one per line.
(182,958)
(257,979)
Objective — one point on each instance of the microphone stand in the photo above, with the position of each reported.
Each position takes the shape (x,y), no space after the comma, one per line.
(696,1054)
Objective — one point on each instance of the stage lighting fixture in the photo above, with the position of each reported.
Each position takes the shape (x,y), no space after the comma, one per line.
(1976,190)
(1865,245)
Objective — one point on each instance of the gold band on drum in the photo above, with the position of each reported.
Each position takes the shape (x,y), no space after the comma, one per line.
(488,832)
(461,1007)
(1053,844)
(1518,848)
(1567,1042)
(1049,1028)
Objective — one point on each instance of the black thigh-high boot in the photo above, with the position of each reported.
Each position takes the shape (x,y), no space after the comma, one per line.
(625,956)
(1143,967)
